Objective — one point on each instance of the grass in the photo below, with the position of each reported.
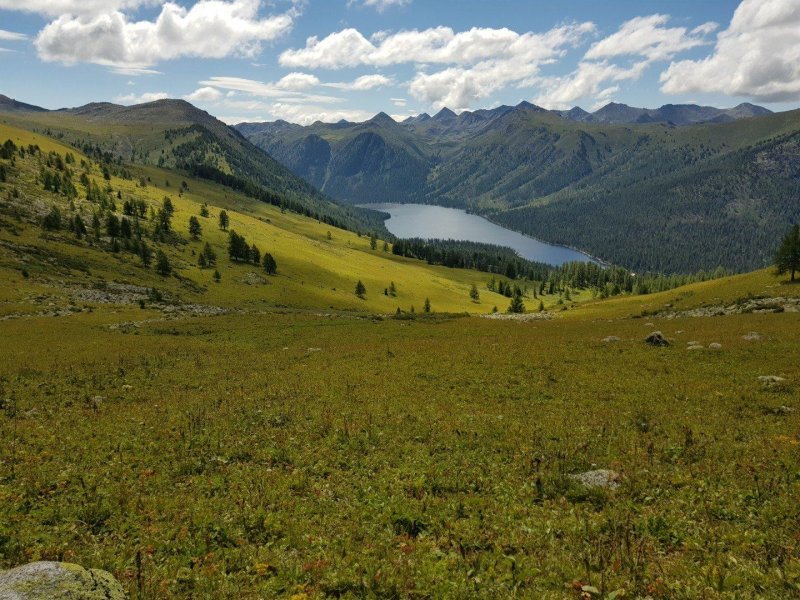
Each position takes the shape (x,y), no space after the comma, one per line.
(308,452)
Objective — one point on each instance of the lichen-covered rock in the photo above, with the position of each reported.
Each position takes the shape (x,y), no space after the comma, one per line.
(598,478)
(58,581)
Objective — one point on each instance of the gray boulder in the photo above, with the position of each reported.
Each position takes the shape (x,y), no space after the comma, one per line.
(58,581)
(597,478)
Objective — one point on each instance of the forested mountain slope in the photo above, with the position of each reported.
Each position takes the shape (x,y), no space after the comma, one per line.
(648,196)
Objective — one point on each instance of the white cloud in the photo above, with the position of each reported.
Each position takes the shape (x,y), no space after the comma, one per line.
(365,82)
(204,94)
(758,56)
(306,114)
(210,29)
(647,37)
(146,97)
(56,8)
(297,81)
(399,102)
(644,40)
(11,36)
(437,45)
(482,60)
(260,89)
(379,5)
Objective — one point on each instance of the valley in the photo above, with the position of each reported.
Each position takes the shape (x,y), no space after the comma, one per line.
(200,426)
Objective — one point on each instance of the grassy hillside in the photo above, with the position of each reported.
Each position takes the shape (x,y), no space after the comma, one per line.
(174,134)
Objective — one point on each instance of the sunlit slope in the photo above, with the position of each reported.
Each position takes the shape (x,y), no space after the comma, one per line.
(313,270)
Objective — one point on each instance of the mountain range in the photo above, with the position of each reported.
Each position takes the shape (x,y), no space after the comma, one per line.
(658,197)
(643,194)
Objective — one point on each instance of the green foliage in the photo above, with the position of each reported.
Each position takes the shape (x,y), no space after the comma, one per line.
(270,265)
(787,256)
(163,266)
(361,290)
(195,229)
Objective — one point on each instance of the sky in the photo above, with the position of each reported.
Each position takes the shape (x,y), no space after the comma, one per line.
(308,60)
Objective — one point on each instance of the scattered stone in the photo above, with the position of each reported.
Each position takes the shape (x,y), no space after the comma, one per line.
(693,343)
(780,411)
(531,316)
(656,339)
(714,346)
(771,379)
(127,388)
(611,338)
(649,325)
(752,305)
(598,478)
(752,336)
(695,347)
(310,350)
(58,581)
(253,279)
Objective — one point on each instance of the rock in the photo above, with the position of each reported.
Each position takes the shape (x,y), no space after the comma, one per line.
(693,343)
(770,379)
(610,338)
(598,478)
(780,411)
(752,336)
(714,346)
(695,347)
(58,581)
(656,339)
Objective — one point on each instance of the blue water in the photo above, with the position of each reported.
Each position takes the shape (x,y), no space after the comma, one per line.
(427,222)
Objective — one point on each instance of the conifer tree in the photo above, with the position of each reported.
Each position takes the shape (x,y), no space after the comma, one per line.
(361,291)
(787,257)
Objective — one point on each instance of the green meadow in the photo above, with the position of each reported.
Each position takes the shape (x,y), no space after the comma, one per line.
(270,436)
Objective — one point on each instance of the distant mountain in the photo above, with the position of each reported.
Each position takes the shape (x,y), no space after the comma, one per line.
(676,114)
(10,105)
(716,190)
(175,134)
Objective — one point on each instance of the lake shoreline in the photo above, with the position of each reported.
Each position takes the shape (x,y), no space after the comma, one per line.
(422,221)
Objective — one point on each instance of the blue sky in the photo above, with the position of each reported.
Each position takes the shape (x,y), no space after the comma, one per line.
(303,60)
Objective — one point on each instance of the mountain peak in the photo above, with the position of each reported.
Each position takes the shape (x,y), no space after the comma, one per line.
(444,115)
(382,118)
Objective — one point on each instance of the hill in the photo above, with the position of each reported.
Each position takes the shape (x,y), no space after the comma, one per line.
(174,134)
(277,436)
(685,198)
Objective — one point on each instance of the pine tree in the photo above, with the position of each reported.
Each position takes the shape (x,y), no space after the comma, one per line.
(145,253)
(210,255)
(373,242)
(517,305)
(361,291)
(427,306)
(223,220)
(392,289)
(194,227)
(474,294)
(270,266)
(163,267)
(217,276)
(787,257)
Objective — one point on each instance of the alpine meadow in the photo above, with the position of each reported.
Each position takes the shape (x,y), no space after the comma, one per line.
(227,372)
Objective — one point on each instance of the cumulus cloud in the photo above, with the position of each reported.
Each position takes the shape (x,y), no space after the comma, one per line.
(641,40)
(139,99)
(363,83)
(297,81)
(210,29)
(589,80)
(305,114)
(648,37)
(758,56)
(204,94)
(436,45)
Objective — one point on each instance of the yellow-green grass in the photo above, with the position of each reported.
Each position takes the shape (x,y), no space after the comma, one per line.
(251,456)
(288,453)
